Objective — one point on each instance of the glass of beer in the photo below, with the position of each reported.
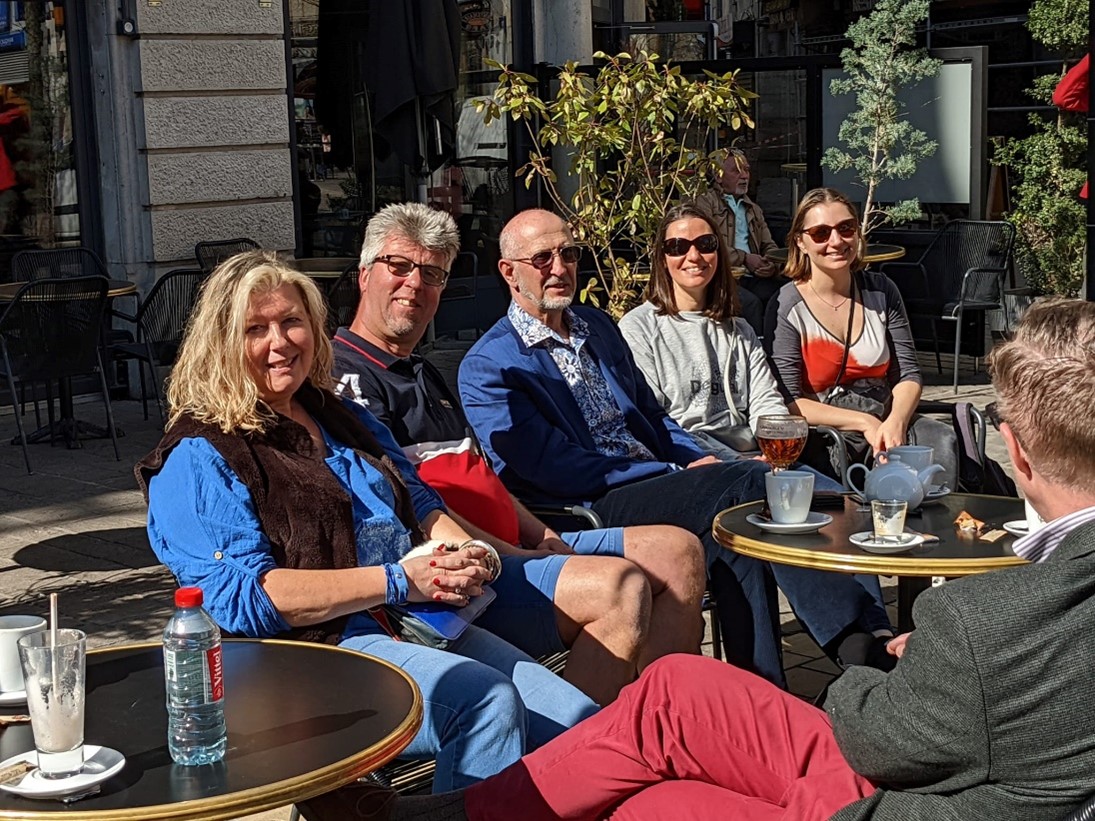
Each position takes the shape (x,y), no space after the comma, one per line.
(781,439)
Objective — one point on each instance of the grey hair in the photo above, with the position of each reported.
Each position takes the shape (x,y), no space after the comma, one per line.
(434,230)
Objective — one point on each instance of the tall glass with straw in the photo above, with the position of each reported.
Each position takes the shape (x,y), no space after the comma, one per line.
(54,672)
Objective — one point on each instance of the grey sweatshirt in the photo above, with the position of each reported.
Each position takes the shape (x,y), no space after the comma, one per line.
(693,364)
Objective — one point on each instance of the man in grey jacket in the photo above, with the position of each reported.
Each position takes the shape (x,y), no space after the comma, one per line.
(988,714)
(743,230)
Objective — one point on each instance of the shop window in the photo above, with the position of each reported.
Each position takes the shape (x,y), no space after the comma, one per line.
(38,200)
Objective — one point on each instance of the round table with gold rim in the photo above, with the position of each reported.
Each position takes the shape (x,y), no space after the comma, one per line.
(302,718)
(876,252)
(324,267)
(115,288)
(830,548)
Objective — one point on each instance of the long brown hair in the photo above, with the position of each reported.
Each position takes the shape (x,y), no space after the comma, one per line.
(722,291)
(798,264)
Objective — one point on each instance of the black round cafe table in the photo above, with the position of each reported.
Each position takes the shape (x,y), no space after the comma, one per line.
(302,719)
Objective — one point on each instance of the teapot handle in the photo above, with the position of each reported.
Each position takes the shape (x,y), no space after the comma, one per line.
(848,478)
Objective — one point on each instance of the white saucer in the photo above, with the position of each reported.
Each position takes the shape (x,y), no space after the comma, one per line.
(12,698)
(814,522)
(1017,528)
(865,540)
(100,763)
(935,493)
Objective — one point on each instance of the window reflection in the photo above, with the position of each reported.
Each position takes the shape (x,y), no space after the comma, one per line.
(38,202)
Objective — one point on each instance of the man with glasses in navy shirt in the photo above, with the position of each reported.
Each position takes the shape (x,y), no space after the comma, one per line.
(630,595)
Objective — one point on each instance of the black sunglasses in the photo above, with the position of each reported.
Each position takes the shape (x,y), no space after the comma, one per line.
(821,233)
(542,259)
(403,267)
(678,246)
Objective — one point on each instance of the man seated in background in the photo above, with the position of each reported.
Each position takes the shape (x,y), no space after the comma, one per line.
(596,604)
(743,230)
(565,416)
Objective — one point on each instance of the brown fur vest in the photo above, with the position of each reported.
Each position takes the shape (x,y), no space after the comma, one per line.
(302,508)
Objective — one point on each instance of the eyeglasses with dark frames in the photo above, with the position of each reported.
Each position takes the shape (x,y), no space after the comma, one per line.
(821,233)
(678,246)
(542,259)
(403,267)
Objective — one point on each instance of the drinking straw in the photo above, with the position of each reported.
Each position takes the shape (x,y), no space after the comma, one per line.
(53,644)
(53,622)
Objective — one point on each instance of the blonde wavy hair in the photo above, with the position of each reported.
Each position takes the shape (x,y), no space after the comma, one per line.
(211,380)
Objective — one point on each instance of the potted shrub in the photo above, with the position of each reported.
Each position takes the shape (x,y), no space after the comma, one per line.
(635,135)
(879,144)
(1049,167)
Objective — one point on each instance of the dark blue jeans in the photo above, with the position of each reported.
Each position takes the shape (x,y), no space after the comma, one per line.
(826,603)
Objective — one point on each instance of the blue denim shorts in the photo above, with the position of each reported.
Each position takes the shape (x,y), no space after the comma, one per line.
(524,612)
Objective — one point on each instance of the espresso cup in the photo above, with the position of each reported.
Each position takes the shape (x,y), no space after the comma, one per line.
(13,628)
(1035,522)
(789,495)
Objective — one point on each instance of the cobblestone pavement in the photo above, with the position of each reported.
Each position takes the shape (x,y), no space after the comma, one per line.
(77,527)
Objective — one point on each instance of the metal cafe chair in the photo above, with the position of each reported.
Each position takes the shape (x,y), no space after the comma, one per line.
(961,271)
(342,296)
(51,330)
(56,263)
(212,253)
(159,323)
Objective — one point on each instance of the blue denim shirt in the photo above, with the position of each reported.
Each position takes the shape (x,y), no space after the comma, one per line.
(203,526)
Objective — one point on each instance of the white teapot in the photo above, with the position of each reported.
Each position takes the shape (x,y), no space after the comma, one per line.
(893,479)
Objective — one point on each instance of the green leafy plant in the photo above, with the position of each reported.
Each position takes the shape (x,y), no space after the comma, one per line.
(1049,167)
(878,142)
(634,136)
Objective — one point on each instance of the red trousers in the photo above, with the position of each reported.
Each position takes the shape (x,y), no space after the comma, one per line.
(692,738)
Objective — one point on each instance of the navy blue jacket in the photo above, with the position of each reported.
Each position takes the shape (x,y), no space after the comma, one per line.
(532,430)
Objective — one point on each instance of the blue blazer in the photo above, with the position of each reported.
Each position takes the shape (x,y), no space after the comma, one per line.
(531,427)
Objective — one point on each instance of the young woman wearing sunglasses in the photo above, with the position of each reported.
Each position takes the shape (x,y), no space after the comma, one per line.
(708,370)
(840,342)
(702,360)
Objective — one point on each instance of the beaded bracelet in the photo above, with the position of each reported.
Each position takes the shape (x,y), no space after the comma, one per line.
(397,590)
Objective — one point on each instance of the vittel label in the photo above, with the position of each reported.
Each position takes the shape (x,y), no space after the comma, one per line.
(215,668)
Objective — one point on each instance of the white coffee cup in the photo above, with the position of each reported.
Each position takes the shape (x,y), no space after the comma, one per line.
(12,628)
(1034,520)
(789,495)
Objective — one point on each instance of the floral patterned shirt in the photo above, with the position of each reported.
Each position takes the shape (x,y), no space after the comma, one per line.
(585,380)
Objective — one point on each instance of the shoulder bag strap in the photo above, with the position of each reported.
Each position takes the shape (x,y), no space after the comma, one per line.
(847,339)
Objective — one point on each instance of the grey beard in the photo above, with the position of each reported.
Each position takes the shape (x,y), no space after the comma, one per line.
(400,327)
(546,303)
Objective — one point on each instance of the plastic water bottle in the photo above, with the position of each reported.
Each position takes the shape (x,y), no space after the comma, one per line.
(193,670)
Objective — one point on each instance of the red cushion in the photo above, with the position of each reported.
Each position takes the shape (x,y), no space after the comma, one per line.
(471,489)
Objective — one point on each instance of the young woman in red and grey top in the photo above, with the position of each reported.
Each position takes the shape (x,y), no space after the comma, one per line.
(807,331)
